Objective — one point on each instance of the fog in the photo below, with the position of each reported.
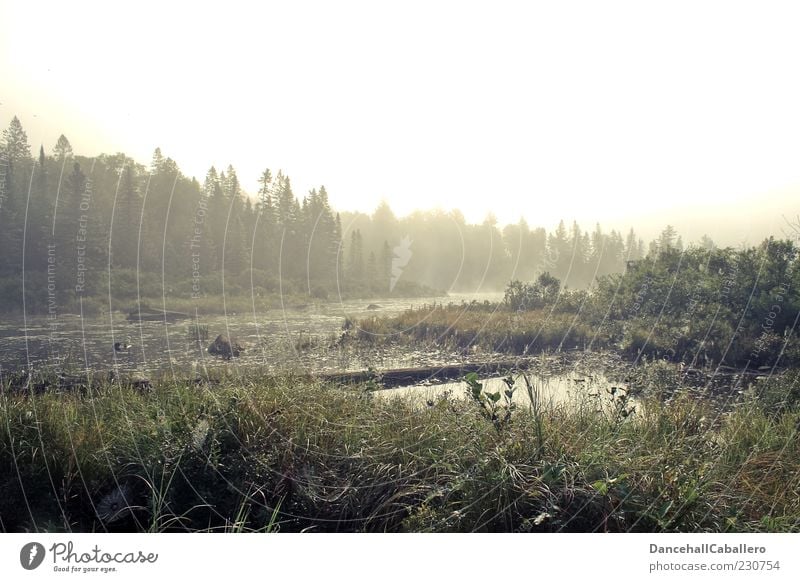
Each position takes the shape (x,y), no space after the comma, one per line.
(535,111)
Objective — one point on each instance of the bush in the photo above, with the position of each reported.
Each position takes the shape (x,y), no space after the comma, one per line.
(521,296)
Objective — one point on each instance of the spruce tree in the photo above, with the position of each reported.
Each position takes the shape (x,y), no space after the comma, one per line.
(62,150)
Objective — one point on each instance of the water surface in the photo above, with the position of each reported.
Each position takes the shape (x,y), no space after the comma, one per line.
(304,338)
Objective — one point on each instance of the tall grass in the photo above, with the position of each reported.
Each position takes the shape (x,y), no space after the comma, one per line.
(484,326)
(253,453)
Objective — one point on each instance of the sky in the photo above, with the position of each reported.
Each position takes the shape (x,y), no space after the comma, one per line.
(624,113)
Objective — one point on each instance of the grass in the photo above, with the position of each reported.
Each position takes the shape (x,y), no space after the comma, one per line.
(482,325)
(496,328)
(256,453)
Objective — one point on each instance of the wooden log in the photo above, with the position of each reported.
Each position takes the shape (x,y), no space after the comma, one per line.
(407,376)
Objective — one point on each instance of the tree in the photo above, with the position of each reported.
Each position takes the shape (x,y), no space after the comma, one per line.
(157,162)
(521,296)
(320,236)
(70,235)
(16,143)
(559,253)
(264,238)
(707,243)
(549,286)
(126,230)
(16,154)
(371,273)
(74,188)
(287,205)
(632,247)
(666,240)
(234,244)
(355,264)
(292,257)
(62,150)
(215,217)
(39,218)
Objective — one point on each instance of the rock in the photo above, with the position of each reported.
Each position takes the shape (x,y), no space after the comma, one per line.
(122,346)
(141,383)
(373,306)
(225,347)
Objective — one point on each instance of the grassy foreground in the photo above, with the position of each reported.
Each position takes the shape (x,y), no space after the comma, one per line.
(289,454)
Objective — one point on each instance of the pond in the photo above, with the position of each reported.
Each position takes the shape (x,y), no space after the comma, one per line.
(304,338)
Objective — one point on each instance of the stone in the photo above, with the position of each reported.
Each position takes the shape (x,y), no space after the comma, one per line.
(225,347)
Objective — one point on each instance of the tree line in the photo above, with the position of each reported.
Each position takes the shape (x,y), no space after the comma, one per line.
(85,226)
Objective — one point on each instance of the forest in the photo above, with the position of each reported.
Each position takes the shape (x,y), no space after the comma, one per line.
(111,226)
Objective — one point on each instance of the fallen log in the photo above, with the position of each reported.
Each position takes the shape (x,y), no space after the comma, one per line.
(408,376)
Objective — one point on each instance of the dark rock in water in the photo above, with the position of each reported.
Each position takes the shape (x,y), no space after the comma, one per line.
(373,306)
(225,347)
(141,383)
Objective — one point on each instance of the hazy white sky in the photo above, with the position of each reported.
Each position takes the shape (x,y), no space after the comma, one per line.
(623,112)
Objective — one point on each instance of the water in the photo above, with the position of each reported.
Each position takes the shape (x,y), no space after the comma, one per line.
(550,391)
(302,338)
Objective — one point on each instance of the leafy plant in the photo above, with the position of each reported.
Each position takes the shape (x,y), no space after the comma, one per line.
(489,402)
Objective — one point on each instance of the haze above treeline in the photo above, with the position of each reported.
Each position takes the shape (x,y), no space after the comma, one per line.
(732,220)
(92,216)
(537,109)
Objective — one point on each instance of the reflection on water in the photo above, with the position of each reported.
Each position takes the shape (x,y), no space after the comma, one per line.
(551,390)
(303,338)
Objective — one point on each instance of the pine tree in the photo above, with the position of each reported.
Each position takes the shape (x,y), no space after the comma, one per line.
(16,154)
(39,216)
(559,253)
(615,254)
(320,236)
(355,265)
(665,241)
(287,205)
(633,250)
(62,150)
(216,215)
(69,212)
(234,245)
(126,230)
(16,147)
(157,162)
(330,237)
(291,253)
(68,224)
(203,253)
(265,245)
